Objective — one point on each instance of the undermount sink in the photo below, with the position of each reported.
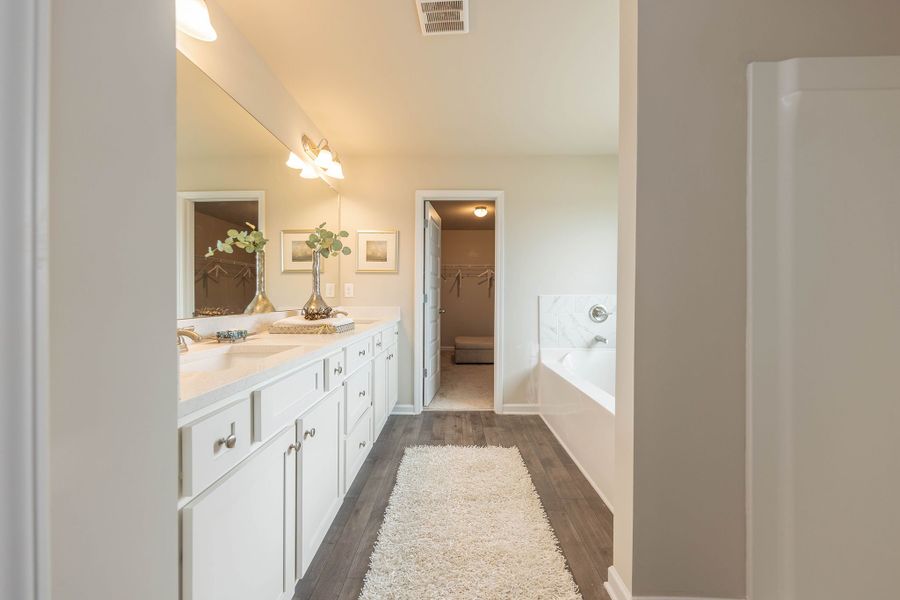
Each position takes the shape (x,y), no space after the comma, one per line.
(227,357)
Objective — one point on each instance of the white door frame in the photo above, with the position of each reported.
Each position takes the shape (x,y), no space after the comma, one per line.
(184,225)
(423,196)
(24,432)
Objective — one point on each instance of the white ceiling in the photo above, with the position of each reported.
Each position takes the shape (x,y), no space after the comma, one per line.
(532,78)
(461,215)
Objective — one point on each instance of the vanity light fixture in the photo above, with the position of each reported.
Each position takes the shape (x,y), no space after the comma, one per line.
(308,172)
(192,18)
(295,162)
(336,170)
(319,153)
(481,211)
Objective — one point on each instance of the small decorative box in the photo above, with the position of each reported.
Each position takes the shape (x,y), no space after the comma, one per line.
(231,336)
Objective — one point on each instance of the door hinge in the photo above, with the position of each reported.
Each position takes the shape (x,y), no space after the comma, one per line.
(426,371)
(425,299)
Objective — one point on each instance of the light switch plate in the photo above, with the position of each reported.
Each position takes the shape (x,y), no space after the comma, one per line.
(329,290)
(348,290)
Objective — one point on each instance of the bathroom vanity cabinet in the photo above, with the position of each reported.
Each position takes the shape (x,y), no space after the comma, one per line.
(264,471)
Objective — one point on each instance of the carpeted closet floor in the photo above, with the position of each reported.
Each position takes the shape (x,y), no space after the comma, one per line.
(464,387)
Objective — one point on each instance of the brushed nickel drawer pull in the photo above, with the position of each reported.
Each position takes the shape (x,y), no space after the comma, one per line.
(362,353)
(362,444)
(228,442)
(294,447)
(362,394)
(309,433)
(339,369)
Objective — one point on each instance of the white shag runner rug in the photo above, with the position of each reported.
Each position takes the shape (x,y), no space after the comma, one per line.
(465,523)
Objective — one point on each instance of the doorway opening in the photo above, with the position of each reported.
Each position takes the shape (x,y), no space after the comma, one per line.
(458,336)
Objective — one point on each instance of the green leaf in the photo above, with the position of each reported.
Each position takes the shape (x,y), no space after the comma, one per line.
(346,250)
(228,249)
(232,232)
(220,246)
(325,252)
(310,245)
(344,233)
(250,249)
(336,244)
(322,225)
(313,237)
(240,244)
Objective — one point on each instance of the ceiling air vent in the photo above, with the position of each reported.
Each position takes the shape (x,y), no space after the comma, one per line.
(443,17)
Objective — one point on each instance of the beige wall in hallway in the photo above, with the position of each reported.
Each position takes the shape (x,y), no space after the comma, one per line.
(548,199)
(470,310)
(688,153)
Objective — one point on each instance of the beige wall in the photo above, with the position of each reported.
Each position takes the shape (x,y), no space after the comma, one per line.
(470,310)
(546,198)
(113,365)
(690,256)
(291,203)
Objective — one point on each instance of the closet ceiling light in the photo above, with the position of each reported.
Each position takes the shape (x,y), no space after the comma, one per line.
(192,18)
(481,211)
(295,162)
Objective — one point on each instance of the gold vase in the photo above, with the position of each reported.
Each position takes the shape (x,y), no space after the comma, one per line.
(316,308)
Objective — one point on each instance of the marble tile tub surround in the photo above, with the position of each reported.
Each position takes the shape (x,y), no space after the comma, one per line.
(565,322)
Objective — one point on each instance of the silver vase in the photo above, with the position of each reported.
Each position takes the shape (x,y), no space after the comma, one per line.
(316,308)
(260,303)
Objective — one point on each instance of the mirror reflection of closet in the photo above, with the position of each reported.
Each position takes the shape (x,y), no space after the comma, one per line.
(230,171)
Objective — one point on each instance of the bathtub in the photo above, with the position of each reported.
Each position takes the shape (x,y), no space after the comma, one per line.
(577,401)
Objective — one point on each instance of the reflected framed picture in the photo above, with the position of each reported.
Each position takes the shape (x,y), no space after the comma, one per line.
(376,251)
(296,256)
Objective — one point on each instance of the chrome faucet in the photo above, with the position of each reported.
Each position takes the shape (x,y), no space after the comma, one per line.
(183,332)
(599,339)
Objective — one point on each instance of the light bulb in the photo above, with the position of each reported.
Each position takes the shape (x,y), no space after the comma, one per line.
(336,170)
(324,158)
(192,18)
(309,172)
(481,211)
(295,162)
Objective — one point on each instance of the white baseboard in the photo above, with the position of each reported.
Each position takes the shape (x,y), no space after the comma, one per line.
(603,497)
(679,598)
(404,409)
(520,409)
(615,587)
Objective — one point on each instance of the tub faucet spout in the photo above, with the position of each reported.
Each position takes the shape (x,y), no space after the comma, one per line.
(599,339)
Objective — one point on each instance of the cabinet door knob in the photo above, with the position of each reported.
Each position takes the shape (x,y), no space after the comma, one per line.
(339,369)
(362,444)
(294,448)
(362,352)
(309,433)
(228,442)
(362,394)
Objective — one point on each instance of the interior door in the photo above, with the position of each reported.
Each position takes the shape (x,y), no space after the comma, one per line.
(432,302)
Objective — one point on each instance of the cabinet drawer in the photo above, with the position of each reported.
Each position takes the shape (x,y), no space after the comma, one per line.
(335,370)
(277,405)
(378,342)
(358,389)
(358,354)
(357,446)
(211,446)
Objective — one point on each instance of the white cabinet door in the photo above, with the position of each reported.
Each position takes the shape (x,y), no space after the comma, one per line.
(319,488)
(393,376)
(234,534)
(379,393)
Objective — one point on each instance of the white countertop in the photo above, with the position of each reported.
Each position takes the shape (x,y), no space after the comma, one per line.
(201,390)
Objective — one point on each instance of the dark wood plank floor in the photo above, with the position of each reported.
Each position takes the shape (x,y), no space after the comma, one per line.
(583,523)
